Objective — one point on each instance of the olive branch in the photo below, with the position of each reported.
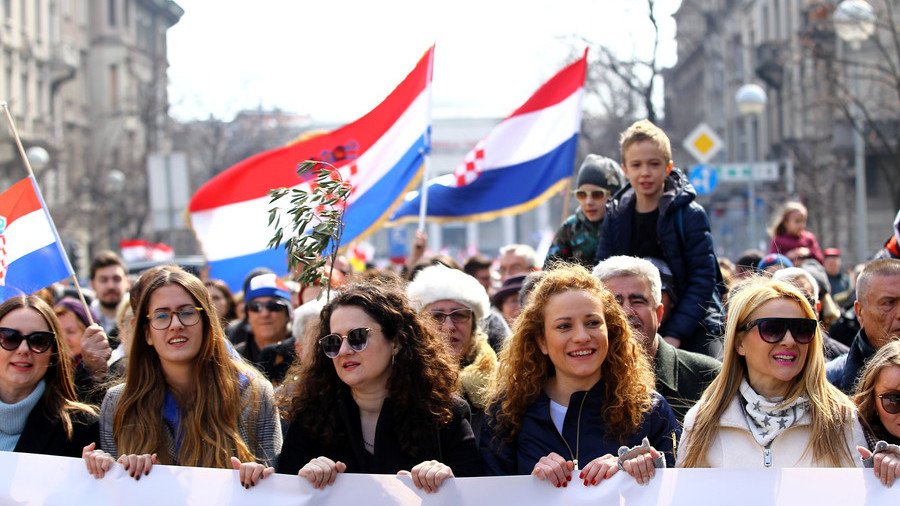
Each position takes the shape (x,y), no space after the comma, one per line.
(316,220)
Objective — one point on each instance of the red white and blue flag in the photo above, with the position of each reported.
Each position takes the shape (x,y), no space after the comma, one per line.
(521,163)
(138,250)
(381,155)
(31,254)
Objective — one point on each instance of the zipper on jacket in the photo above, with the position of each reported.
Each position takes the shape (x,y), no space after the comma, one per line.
(767,455)
(574,454)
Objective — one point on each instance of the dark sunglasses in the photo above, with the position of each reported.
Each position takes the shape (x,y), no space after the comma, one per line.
(271,306)
(357,339)
(890,402)
(38,342)
(595,194)
(772,330)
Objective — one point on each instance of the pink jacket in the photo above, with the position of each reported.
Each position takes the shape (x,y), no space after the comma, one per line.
(785,243)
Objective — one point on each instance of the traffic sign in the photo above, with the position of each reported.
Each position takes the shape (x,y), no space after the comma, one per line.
(704,178)
(703,143)
(737,172)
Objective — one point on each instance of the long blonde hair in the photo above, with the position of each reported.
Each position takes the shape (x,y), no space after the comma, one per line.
(829,408)
(524,370)
(210,413)
(59,399)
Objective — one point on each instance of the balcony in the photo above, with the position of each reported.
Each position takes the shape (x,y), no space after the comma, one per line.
(770,63)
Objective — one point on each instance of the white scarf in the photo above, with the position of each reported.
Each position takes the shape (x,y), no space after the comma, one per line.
(768,418)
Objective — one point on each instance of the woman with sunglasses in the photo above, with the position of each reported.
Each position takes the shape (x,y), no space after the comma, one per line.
(771,405)
(878,399)
(573,388)
(458,304)
(576,240)
(377,396)
(39,412)
(186,399)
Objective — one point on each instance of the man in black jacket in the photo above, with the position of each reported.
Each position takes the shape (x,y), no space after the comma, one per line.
(681,376)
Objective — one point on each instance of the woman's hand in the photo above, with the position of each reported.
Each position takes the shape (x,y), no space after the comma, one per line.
(641,467)
(138,465)
(886,464)
(555,469)
(599,469)
(321,471)
(250,472)
(96,461)
(429,475)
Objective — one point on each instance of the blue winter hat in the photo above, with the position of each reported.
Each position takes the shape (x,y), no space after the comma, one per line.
(267,285)
(774,259)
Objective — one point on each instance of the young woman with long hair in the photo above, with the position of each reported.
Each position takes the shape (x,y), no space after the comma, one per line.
(878,399)
(572,387)
(186,399)
(39,411)
(377,396)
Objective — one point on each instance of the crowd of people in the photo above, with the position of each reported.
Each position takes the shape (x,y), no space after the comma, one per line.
(631,348)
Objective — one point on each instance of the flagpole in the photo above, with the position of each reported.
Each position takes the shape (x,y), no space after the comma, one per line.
(15,132)
(423,193)
(567,201)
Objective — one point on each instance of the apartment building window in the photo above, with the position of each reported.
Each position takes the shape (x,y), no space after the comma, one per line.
(126,13)
(23,96)
(113,86)
(37,19)
(23,18)
(111,12)
(7,8)
(7,74)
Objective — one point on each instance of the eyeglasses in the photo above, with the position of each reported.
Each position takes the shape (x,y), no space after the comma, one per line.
(890,402)
(38,342)
(160,320)
(772,330)
(456,316)
(595,194)
(357,339)
(271,306)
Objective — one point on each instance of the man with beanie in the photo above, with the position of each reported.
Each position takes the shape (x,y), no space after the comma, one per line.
(269,311)
(577,239)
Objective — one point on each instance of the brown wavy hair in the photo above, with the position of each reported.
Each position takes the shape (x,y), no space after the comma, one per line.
(422,381)
(865,399)
(59,399)
(626,374)
(829,409)
(210,413)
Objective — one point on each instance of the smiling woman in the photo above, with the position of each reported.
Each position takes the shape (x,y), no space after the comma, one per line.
(186,400)
(38,409)
(571,360)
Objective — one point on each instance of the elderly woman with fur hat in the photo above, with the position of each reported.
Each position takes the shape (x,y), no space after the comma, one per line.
(458,305)
(576,240)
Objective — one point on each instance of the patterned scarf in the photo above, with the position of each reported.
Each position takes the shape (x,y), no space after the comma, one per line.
(768,418)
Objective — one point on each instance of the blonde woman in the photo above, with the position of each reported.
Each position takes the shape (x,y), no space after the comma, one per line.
(186,400)
(771,405)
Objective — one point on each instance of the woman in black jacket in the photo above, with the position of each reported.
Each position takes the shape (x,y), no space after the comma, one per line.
(39,412)
(377,396)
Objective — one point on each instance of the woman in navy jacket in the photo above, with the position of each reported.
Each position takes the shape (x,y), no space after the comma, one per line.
(572,388)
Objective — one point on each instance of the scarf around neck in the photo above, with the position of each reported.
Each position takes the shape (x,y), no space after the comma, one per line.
(768,418)
(14,416)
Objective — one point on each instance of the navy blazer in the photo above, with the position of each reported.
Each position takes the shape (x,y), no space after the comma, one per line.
(538,437)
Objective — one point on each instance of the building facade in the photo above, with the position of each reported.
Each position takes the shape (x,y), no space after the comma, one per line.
(86,82)
(813,82)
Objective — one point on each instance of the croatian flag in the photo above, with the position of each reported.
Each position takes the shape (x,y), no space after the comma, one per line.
(31,254)
(381,155)
(137,250)
(522,162)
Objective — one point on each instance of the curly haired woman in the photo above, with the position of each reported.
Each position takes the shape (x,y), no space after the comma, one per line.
(572,387)
(377,396)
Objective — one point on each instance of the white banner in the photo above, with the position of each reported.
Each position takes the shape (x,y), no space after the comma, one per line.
(39,479)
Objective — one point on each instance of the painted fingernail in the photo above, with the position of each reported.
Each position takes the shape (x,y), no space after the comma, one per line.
(595,482)
(585,483)
(558,485)
(565,484)
(581,475)
(146,472)
(569,478)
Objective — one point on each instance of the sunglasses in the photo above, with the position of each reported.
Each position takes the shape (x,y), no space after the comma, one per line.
(357,339)
(772,330)
(595,194)
(890,402)
(456,316)
(38,342)
(271,306)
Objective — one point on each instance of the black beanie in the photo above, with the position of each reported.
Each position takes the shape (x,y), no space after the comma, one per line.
(601,171)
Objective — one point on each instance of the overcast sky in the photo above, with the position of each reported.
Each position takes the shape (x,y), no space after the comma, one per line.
(337,59)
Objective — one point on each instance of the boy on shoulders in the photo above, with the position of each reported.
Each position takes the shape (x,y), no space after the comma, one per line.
(655,216)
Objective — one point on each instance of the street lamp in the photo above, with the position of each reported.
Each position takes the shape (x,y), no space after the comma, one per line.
(37,157)
(751,102)
(854,22)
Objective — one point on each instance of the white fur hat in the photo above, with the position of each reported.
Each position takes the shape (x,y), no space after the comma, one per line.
(438,282)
